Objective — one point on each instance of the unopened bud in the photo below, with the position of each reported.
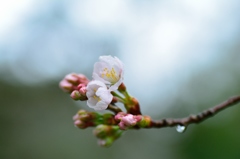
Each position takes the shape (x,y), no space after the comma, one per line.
(65,85)
(107,134)
(80,124)
(101,131)
(82,79)
(108,119)
(75,95)
(76,79)
(127,120)
(114,100)
(122,87)
(84,119)
(119,116)
(133,107)
(85,116)
(73,81)
(72,78)
(106,142)
(83,91)
(145,122)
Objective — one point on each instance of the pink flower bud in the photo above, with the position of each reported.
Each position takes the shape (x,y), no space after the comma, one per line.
(83,91)
(119,116)
(102,142)
(80,124)
(127,120)
(83,79)
(65,85)
(75,117)
(85,119)
(73,81)
(80,86)
(122,126)
(83,116)
(76,78)
(72,78)
(79,95)
(75,95)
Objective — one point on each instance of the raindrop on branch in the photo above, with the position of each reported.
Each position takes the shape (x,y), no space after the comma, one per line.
(181,128)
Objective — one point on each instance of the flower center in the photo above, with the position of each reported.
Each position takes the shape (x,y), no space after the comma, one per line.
(97,98)
(110,75)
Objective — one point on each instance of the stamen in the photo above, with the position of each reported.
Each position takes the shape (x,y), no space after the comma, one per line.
(109,74)
(97,98)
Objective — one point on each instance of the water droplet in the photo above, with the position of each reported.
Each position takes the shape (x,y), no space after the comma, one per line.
(181,128)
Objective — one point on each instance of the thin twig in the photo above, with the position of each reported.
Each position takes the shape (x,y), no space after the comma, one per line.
(196,118)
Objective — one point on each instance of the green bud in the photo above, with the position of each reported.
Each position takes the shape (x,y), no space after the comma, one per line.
(107,134)
(145,122)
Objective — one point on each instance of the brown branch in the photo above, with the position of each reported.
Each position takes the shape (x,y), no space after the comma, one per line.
(196,118)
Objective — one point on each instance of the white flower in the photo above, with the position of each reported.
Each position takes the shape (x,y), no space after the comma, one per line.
(99,97)
(109,70)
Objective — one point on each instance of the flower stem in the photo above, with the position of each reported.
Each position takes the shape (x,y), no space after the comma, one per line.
(114,108)
(120,98)
(126,94)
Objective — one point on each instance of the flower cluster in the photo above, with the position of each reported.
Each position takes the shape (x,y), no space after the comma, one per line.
(107,77)
(84,119)
(103,92)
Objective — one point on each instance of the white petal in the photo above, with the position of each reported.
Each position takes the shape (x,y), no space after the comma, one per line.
(101,106)
(109,70)
(104,95)
(107,59)
(97,77)
(99,97)
(91,102)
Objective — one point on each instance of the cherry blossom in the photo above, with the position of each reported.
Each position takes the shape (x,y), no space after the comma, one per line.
(109,70)
(99,97)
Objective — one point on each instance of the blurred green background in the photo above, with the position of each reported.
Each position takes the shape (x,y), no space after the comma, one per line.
(180,58)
